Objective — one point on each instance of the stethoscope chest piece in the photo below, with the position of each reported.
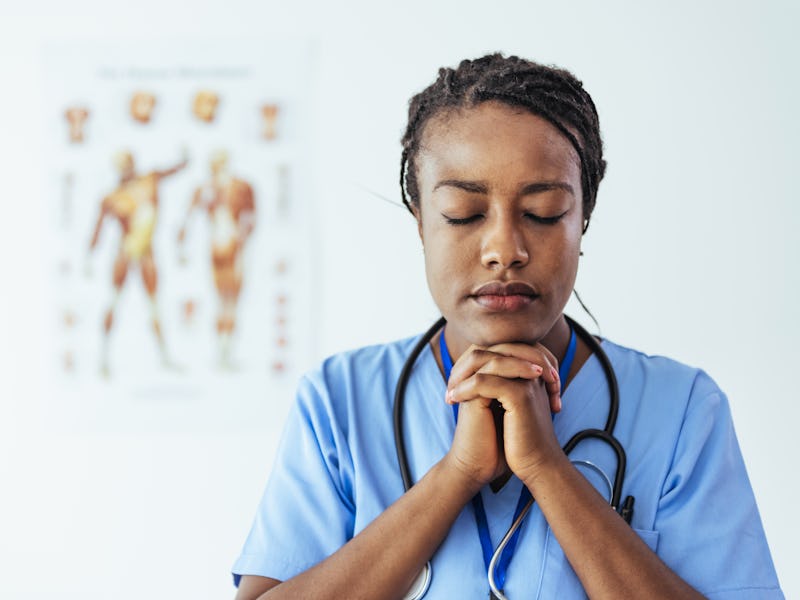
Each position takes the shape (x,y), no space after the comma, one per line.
(421,584)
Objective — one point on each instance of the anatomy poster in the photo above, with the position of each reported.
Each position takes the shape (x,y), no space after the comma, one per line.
(180,248)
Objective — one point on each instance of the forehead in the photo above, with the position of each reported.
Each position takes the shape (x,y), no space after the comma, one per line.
(493,138)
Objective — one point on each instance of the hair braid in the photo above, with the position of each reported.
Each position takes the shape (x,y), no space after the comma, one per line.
(549,92)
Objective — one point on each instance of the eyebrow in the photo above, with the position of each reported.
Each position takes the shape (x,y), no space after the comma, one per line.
(476,187)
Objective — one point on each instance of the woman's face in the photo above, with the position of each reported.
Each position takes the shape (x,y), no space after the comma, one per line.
(500,217)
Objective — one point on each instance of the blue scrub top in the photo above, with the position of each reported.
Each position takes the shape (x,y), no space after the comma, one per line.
(336,470)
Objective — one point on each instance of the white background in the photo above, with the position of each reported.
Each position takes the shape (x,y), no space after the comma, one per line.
(692,253)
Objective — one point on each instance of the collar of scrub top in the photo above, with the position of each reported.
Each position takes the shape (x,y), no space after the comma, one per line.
(525,495)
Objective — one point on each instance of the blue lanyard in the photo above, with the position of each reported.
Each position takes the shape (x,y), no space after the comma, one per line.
(524,496)
(566,364)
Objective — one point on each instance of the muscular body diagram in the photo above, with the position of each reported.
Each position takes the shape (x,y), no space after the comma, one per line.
(133,204)
(229,204)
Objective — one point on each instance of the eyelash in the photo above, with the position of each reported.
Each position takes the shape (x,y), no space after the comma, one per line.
(532,217)
(464,221)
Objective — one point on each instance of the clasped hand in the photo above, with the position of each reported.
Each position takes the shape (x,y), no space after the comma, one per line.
(524,381)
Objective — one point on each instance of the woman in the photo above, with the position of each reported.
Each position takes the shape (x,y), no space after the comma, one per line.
(501,162)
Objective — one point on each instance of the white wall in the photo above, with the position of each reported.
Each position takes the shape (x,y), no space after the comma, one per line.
(692,253)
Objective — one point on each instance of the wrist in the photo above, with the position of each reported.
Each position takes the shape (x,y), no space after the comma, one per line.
(460,476)
(534,476)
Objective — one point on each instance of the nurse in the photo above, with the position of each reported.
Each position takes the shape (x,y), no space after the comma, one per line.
(501,163)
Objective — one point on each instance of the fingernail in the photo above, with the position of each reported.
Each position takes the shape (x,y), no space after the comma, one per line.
(554,373)
(536,369)
(449,397)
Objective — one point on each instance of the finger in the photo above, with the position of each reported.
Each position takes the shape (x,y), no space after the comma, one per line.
(477,358)
(536,354)
(483,361)
(497,364)
(515,368)
(552,383)
(540,355)
(551,357)
(511,368)
(469,363)
(481,386)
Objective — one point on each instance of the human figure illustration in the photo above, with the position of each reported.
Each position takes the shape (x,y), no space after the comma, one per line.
(230,206)
(205,105)
(142,106)
(76,118)
(269,118)
(134,205)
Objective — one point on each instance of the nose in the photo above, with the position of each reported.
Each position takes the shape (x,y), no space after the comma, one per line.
(504,245)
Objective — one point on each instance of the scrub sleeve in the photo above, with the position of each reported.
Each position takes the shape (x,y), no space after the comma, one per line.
(709,528)
(306,512)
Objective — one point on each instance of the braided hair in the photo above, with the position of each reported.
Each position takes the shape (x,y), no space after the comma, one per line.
(549,92)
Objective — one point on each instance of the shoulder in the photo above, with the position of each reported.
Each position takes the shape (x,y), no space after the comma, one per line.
(362,363)
(638,370)
(363,377)
(660,395)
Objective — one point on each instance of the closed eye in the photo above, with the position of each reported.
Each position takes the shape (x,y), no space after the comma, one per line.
(546,220)
(462,220)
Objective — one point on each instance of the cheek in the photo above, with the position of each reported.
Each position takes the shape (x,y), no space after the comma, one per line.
(438,263)
(570,257)
(435,274)
(559,256)
(446,264)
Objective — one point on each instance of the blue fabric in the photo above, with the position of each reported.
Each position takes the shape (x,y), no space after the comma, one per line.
(336,470)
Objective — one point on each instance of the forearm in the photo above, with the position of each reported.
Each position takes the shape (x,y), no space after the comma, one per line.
(608,557)
(383,560)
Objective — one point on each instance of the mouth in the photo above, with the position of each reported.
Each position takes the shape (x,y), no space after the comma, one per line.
(499,296)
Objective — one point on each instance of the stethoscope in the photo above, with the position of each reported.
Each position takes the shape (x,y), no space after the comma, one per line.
(423,580)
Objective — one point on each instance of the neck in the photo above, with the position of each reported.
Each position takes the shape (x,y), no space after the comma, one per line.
(557,339)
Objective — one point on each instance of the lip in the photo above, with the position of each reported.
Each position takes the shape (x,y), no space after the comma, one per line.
(503,296)
(505,288)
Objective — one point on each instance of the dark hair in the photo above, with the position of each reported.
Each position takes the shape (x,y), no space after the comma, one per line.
(549,92)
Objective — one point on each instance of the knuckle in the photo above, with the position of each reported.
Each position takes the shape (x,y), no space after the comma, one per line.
(480,354)
(495,364)
(479,379)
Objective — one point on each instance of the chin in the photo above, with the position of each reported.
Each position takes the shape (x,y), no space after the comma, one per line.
(489,330)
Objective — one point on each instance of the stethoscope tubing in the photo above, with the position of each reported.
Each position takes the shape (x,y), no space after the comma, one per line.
(399,395)
(606,435)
